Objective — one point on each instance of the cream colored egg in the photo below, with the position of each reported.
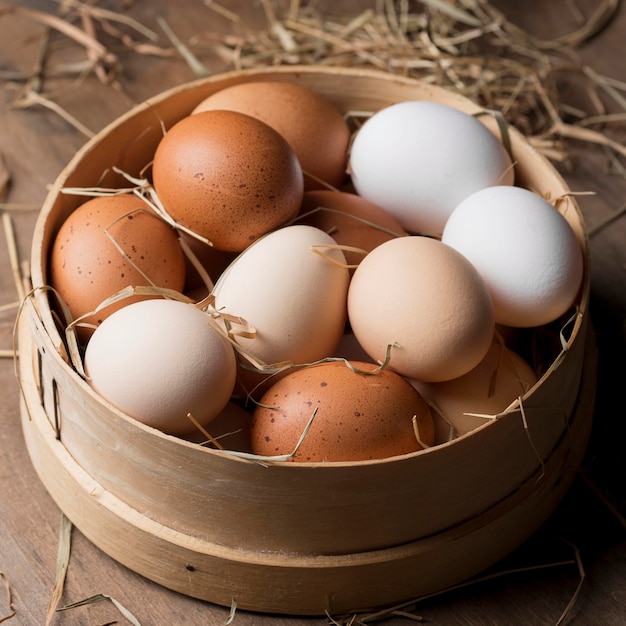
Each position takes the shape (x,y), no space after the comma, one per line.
(158,360)
(291,288)
(425,303)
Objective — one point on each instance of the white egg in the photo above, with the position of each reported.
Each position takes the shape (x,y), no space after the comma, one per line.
(158,360)
(525,250)
(418,160)
(292,296)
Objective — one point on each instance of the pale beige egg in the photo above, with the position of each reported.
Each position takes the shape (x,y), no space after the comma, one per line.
(422,305)
(472,400)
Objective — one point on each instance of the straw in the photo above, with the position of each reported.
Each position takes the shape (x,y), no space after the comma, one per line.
(469,47)
(11,607)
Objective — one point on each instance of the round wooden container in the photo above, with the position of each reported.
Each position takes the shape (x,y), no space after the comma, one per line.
(296,538)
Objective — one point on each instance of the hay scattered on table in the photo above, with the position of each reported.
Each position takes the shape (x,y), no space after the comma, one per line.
(63,561)
(467,46)
(100,597)
(408,609)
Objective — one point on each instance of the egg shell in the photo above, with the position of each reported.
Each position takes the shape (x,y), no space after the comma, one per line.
(293,297)
(418,160)
(228,177)
(487,390)
(429,301)
(158,360)
(313,126)
(359,416)
(86,267)
(350,219)
(525,250)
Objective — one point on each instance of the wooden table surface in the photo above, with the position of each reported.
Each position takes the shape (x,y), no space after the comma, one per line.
(36,142)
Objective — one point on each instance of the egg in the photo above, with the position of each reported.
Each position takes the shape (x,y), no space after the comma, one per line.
(350,219)
(426,304)
(359,416)
(524,249)
(294,298)
(228,177)
(419,159)
(158,360)
(86,267)
(470,401)
(313,126)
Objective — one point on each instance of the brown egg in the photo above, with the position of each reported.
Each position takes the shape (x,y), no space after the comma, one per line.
(86,267)
(359,416)
(311,124)
(227,176)
(350,219)
(488,389)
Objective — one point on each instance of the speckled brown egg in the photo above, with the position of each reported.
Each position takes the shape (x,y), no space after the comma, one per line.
(311,123)
(227,176)
(86,267)
(360,416)
(350,219)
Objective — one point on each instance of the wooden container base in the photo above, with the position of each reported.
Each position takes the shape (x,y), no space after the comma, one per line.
(286,583)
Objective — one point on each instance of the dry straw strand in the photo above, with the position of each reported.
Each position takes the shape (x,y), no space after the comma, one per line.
(233,611)
(621,519)
(101,54)
(99,598)
(524,419)
(100,13)
(205,432)
(13,255)
(11,607)
(223,11)
(577,591)
(194,63)
(5,177)
(32,97)
(367,618)
(63,561)
(609,219)
(467,46)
